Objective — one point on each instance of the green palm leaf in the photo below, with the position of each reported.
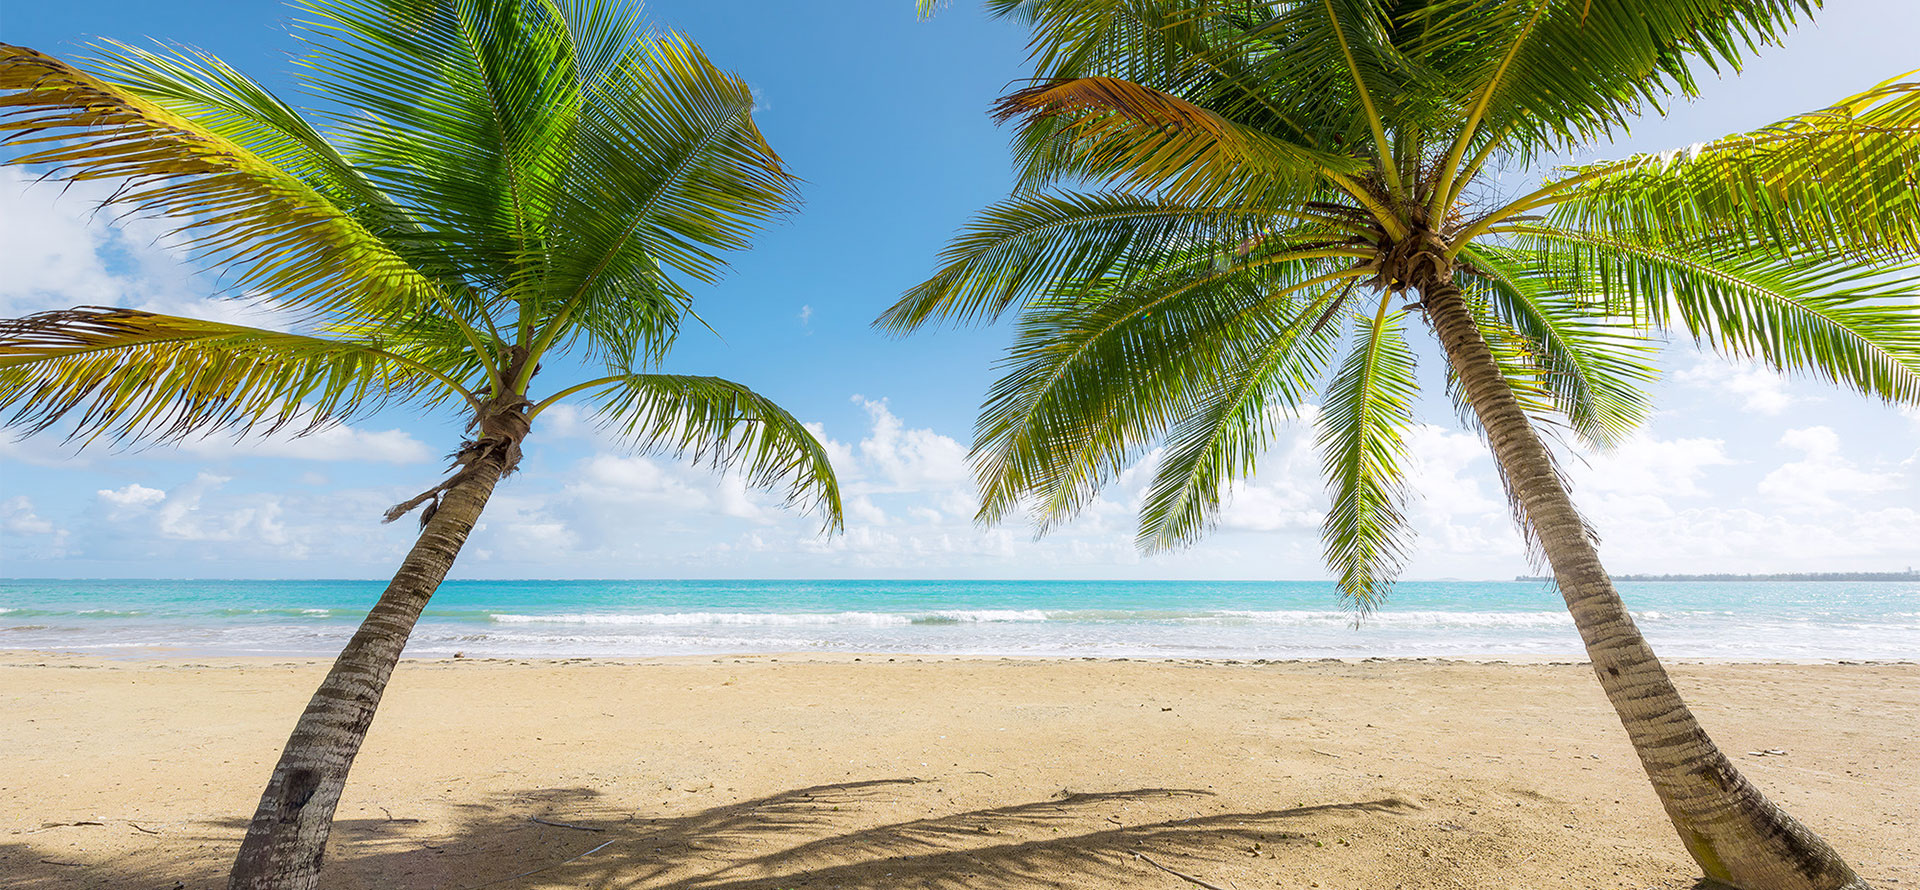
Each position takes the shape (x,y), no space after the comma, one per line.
(1852,324)
(466,109)
(1140,138)
(721,424)
(668,171)
(1573,71)
(291,244)
(1218,440)
(1019,249)
(1842,182)
(1363,424)
(138,376)
(1094,381)
(1592,365)
(207,91)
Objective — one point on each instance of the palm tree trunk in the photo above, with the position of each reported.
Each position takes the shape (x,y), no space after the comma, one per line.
(1739,837)
(288,835)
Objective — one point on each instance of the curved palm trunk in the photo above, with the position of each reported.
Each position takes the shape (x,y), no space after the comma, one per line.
(1739,837)
(288,835)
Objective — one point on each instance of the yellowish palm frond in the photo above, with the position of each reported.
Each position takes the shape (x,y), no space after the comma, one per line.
(138,376)
(286,242)
(1141,138)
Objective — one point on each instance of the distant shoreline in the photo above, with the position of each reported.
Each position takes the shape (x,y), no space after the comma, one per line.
(1788,576)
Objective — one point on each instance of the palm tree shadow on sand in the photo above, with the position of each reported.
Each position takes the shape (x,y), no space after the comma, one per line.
(824,836)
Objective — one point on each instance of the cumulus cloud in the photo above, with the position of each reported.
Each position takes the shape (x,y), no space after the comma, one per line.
(62,252)
(1647,467)
(1760,390)
(130,500)
(339,442)
(583,507)
(180,517)
(1820,474)
(910,459)
(18,518)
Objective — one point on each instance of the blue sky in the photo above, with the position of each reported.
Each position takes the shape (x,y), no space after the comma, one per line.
(884,118)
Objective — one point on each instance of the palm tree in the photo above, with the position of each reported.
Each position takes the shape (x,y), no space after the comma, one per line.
(486,186)
(1211,191)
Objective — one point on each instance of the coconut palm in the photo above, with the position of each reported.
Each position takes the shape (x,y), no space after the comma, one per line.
(1213,191)
(484,187)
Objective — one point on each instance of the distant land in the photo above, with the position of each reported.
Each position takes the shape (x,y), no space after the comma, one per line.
(1908,575)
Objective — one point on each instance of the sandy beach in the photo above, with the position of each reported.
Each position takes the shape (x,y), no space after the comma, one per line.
(773,772)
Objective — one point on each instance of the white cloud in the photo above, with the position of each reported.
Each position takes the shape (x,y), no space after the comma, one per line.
(861,510)
(63,250)
(339,442)
(1646,467)
(1286,494)
(610,477)
(1820,474)
(181,517)
(565,421)
(130,500)
(910,459)
(43,450)
(1679,504)
(53,245)
(1760,390)
(18,518)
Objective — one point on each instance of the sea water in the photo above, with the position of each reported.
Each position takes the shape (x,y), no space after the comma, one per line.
(1241,620)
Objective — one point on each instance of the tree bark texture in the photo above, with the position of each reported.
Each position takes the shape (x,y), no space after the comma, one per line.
(1739,837)
(287,839)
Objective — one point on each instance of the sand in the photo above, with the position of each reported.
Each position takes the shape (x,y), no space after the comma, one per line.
(798,772)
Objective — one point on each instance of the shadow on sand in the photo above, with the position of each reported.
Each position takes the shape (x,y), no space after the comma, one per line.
(826,836)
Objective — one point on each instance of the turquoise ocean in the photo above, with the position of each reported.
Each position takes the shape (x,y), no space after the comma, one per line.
(1241,620)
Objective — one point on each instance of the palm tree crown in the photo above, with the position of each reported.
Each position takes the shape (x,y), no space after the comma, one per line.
(482,184)
(1269,175)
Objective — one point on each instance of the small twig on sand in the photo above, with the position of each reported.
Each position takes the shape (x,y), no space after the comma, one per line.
(67,864)
(539,821)
(49,825)
(1327,753)
(526,874)
(1188,878)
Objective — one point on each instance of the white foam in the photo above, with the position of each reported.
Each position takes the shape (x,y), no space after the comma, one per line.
(696,619)
(968,616)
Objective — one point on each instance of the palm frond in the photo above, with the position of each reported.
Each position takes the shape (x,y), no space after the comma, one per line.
(1217,442)
(668,170)
(723,425)
(1363,422)
(290,244)
(204,89)
(1560,73)
(462,112)
(1852,324)
(1139,138)
(1591,364)
(1842,182)
(136,376)
(1018,249)
(1092,383)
